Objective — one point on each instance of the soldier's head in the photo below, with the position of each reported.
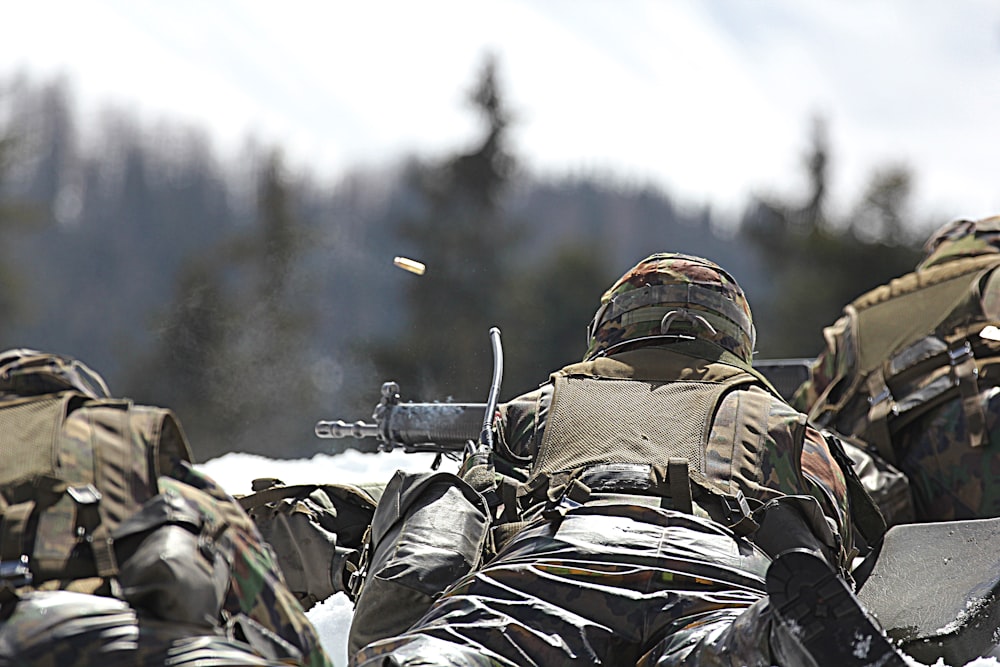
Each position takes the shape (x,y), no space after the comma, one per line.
(26,372)
(673,296)
(962,238)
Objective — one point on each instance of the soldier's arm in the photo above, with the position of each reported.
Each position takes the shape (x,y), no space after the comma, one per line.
(826,368)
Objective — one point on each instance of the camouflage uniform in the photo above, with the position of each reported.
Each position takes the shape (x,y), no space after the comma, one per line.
(598,570)
(223,602)
(946,444)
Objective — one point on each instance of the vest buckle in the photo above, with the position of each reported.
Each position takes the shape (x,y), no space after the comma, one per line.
(15,573)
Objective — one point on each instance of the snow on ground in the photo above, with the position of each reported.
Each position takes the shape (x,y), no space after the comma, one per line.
(333,616)
(235,472)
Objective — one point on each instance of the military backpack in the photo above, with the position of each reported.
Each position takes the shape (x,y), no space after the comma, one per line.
(74,469)
(911,345)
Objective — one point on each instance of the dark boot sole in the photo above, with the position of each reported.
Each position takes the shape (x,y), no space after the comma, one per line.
(820,611)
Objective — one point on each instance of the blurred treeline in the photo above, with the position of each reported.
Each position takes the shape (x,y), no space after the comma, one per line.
(255,299)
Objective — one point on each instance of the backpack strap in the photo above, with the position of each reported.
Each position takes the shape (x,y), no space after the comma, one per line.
(966,376)
(109,463)
(880,406)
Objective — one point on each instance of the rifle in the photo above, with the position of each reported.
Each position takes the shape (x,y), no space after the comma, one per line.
(446,429)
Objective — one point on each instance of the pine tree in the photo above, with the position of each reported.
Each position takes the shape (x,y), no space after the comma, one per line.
(817,264)
(234,342)
(460,233)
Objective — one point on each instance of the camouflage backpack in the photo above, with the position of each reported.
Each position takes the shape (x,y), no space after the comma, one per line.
(99,496)
(911,345)
(76,464)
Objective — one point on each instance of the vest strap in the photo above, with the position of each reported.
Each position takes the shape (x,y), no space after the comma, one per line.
(680,485)
(274,494)
(12,528)
(739,517)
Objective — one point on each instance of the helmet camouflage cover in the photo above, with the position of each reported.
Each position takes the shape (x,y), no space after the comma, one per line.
(671,295)
(962,238)
(26,372)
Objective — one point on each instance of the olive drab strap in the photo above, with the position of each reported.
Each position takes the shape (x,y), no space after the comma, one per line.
(274,494)
(679,479)
(865,513)
(732,510)
(95,531)
(112,471)
(356,579)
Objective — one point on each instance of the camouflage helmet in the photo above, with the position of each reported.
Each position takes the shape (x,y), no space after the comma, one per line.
(962,238)
(26,372)
(671,295)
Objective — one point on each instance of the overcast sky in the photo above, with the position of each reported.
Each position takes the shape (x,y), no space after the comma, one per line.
(712,99)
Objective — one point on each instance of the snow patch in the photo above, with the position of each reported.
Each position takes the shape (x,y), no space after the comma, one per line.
(862,644)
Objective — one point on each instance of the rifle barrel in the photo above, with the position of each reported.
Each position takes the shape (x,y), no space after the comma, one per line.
(447,425)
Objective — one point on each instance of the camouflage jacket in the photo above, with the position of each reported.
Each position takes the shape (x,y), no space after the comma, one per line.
(791,458)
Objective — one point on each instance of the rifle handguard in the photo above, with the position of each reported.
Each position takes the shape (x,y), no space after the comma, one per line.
(414,426)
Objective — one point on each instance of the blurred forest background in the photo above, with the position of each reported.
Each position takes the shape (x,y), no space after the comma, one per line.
(254,299)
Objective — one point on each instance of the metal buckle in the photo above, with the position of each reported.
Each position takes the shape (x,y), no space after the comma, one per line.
(84,495)
(356,579)
(961,354)
(15,574)
(883,395)
(736,511)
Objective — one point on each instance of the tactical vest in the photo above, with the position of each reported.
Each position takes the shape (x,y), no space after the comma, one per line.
(655,440)
(73,469)
(912,345)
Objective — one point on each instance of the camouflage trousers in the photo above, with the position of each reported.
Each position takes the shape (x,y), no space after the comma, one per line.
(68,629)
(605,585)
